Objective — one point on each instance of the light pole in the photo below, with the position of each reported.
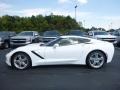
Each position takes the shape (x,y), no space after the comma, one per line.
(84,23)
(76,12)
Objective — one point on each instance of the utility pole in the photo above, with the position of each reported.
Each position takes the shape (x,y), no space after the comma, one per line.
(111,24)
(76,12)
(84,23)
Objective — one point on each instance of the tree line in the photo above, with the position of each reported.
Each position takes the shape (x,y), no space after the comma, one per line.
(38,23)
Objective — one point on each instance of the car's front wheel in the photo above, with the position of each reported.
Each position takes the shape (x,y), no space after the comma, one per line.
(96,59)
(21,61)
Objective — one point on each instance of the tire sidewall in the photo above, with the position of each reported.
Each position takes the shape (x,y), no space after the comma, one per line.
(26,55)
(88,60)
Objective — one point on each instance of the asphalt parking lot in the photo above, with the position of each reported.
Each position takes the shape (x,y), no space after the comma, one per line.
(70,77)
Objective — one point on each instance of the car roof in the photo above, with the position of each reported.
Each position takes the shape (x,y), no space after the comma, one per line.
(97,31)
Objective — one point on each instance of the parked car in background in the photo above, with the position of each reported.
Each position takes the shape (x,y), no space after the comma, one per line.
(50,35)
(62,51)
(111,31)
(77,33)
(102,35)
(24,38)
(5,38)
(117,34)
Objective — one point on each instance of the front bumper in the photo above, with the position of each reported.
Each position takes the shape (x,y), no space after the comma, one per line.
(8,61)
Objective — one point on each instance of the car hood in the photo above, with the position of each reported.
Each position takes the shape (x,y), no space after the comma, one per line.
(31,47)
(21,37)
(2,36)
(27,48)
(105,36)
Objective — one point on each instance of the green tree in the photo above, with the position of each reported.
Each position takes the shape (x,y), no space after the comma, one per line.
(39,23)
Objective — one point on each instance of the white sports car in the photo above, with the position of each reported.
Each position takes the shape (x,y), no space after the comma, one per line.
(63,50)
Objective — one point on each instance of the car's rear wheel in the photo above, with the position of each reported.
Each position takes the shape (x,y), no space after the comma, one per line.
(96,59)
(21,61)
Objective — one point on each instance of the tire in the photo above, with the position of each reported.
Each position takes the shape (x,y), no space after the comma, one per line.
(96,59)
(21,61)
(6,45)
(118,44)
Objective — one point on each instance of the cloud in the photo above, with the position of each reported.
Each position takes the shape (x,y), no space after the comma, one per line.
(83,1)
(72,14)
(107,22)
(113,21)
(48,11)
(4,6)
(73,1)
(111,17)
(36,11)
(63,1)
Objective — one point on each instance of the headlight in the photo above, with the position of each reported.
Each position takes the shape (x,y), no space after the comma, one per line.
(28,40)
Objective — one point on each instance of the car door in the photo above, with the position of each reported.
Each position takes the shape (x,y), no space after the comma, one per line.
(63,52)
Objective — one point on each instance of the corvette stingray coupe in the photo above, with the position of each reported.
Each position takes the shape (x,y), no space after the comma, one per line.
(67,50)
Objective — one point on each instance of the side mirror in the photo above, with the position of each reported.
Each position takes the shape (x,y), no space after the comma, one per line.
(116,34)
(56,45)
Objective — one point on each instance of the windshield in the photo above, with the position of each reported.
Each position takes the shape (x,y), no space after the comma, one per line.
(51,34)
(78,33)
(67,41)
(101,33)
(25,34)
(51,43)
(4,33)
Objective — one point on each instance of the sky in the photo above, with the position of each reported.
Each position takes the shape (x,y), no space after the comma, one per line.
(97,13)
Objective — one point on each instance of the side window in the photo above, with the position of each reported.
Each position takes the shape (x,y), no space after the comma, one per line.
(90,34)
(64,42)
(84,40)
(79,40)
(75,40)
(116,33)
